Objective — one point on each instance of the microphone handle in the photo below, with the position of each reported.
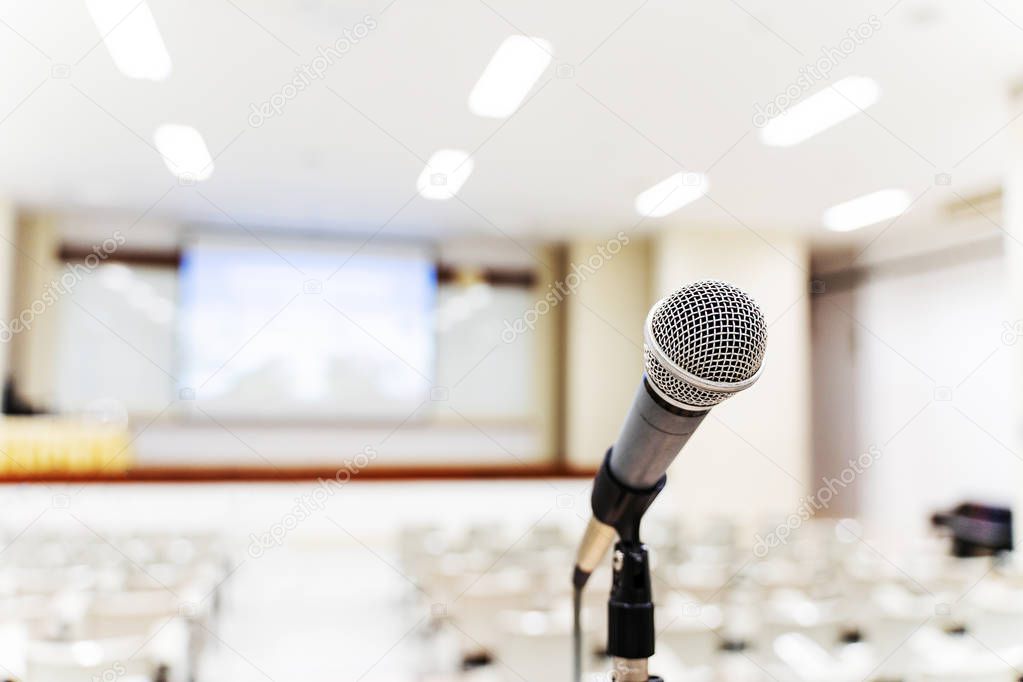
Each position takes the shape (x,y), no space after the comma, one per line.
(651,437)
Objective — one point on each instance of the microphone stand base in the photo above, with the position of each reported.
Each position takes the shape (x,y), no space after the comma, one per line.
(630,670)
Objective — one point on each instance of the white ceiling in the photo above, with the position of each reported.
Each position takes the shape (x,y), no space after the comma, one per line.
(655,86)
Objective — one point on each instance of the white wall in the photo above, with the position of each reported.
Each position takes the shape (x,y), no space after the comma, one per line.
(1012,220)
(935,389)
(751,457)
(835,384)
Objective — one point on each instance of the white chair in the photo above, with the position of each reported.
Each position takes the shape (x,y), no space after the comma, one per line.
(939,657)
(119,658)
(535,645)
(156,616)
(129,613)
(689,629)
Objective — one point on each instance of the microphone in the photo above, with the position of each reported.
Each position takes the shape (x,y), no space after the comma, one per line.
(702,344)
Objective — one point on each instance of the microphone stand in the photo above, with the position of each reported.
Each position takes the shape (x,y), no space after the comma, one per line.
(630,622)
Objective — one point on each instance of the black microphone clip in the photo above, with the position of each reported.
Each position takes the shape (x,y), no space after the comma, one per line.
(619,505)
(630,636)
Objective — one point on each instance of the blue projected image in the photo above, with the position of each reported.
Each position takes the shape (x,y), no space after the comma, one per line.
(307,330)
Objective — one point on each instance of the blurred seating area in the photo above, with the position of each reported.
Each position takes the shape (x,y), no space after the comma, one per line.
(825,607)
(469,582)
(83,606)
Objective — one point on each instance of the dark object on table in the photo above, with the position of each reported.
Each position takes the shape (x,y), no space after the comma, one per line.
(977,529)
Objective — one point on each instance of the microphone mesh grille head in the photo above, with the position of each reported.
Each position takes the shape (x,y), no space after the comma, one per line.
(705,342)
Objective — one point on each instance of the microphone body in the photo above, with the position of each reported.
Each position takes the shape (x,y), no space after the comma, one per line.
(653,434)
(651,437)
(702,344)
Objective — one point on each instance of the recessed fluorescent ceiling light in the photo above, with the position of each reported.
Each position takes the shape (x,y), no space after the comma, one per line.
(132,37)
(667,196)
(829,107)
(867,210)
(511,74)
(184,152)
(445,173)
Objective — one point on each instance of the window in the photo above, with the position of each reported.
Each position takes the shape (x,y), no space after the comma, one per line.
(115,343)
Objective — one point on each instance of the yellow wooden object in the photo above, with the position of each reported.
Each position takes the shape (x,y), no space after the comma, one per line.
(34,446)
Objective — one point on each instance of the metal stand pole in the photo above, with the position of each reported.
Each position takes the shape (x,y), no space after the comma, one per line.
(630,617)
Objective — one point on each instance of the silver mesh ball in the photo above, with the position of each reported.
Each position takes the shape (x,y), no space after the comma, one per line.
(705,342)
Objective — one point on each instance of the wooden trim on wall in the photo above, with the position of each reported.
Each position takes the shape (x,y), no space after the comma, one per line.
(166,258)
(498,277)
(299,474)
(845,279)
(560,435)
(171,258)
